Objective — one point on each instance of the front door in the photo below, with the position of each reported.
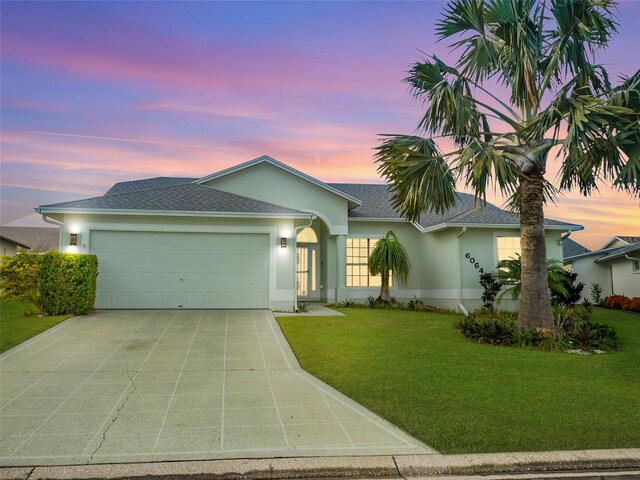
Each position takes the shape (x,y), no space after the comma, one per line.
(307,272)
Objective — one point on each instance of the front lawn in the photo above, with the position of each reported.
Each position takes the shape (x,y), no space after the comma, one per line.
(15,328)
(418,372)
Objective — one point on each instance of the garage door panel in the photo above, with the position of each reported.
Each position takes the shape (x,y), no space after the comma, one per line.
(236,262)
(256,280)
(192,270)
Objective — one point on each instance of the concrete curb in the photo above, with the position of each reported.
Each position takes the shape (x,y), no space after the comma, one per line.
(606,464)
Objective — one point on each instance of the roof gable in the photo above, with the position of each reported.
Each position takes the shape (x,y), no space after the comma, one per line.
(620,241)
(353,201)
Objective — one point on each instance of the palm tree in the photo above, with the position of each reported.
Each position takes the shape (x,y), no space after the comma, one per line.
(389,256)
(543,54)
(510,274)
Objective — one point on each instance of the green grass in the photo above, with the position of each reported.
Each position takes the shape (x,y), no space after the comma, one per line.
(417,371)
(15,327)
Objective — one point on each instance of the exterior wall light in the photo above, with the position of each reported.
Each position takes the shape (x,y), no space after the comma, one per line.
(73,239)
(283,242)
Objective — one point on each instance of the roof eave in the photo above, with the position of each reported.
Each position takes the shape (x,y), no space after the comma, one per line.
(287,168)
(616,256)
(173,213)
(510,226)
(14,242)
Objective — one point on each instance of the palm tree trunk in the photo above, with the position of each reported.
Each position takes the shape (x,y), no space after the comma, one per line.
(535,302)
(385,296)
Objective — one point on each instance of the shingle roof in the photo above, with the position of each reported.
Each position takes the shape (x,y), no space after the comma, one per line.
(181,194)
(619,252)
(41,239)
(147,183)
(376,203)
(571,248)
(186,197)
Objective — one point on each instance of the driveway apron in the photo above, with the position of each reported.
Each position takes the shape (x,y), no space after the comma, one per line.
(138,386)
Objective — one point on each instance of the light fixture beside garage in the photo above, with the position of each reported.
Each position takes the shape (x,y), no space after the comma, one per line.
(73,239)
(283,242)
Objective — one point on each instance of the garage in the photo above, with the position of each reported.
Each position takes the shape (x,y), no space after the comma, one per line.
(181,270)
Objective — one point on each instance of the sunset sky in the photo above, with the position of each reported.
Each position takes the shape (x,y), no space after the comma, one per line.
(99,92)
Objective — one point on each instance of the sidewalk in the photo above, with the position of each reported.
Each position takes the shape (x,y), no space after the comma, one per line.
(620,464)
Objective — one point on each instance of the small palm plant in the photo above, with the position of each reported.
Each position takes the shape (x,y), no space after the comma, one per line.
(510,274)
(389,257)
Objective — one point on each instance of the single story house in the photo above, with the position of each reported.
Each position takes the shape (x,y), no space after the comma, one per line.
(265,235)
(615,266)
(41,239)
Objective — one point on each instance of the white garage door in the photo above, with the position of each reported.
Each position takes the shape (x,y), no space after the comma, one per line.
(181,270)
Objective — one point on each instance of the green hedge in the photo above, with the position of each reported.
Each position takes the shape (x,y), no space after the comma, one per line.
(67,283)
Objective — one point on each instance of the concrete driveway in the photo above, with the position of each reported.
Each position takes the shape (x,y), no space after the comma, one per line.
(132,386)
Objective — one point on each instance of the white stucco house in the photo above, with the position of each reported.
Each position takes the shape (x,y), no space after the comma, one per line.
(615,266)
(265,235)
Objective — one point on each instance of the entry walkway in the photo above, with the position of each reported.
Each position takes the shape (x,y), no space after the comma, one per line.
(135,386)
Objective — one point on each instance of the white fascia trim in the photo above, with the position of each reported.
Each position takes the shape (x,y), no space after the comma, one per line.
(287,168)
(504,226)
(608,242)
(173,213)
(372,219)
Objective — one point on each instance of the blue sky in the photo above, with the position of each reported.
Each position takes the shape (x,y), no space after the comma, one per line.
(99,92)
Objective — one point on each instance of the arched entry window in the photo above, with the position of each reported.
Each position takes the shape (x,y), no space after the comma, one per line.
(307,235)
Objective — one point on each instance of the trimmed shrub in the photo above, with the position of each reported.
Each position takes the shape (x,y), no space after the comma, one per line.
(19,279)
(67,283)
(614,301)
(631,304)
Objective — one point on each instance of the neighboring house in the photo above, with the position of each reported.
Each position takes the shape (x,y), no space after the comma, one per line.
(615,266)
(264,235)
(41,239)
(571,248)
(9,246)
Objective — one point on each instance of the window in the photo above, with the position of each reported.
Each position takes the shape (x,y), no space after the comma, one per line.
(358,251)
(636,266)
(508,248)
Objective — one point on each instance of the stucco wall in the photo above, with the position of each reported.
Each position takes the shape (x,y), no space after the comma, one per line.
(271,184)
(625,280)
(590,272)
(481,244)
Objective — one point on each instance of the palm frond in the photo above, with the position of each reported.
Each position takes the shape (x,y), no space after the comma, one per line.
(419,177)
(450,107)
(389,255)
(482,164)
(581,28)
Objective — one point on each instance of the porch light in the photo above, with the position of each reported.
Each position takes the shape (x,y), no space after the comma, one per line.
(283,242)
(73,239)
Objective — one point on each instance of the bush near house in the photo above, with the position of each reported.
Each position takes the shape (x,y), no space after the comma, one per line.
(67,283)
(52,283)
(19,279)
(620,302)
